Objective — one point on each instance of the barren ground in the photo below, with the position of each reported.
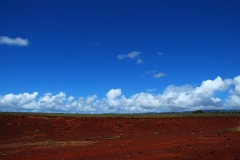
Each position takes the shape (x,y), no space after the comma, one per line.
(53,137)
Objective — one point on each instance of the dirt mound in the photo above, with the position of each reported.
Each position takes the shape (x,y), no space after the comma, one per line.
(46,137)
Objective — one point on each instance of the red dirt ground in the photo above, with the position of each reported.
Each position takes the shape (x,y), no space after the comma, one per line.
(46,137)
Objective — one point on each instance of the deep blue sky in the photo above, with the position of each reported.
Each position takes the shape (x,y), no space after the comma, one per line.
(73,45)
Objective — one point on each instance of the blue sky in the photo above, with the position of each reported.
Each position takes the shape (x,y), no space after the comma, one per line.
(112,55)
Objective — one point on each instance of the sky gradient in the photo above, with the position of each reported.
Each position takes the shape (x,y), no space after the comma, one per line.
(119,56)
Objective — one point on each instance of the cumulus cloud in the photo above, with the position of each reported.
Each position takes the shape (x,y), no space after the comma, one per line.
(24,100)
(71,98)
(173,98)
(90,99)
(236,82)
(234,99)
(131,55)
(111,97)
(49,101)
(208,87)
(13,41)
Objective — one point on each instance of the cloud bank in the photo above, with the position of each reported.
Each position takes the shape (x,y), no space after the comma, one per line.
(173,98)
(13,42)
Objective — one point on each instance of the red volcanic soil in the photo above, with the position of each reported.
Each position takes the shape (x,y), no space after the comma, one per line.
(53,137)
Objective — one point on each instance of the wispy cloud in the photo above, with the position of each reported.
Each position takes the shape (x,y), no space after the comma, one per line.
(13,41)
(139,61)
(158,75)
(131,55)
(155,73)
(160,53)
(150,72)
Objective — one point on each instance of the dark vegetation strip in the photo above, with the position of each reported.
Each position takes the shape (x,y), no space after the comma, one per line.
(154,115)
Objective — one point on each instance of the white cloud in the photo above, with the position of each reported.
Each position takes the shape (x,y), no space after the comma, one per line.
(160,53)
(48,101)
(111,97)
(188,98)
(155,73)
(234,98)
(158,75)
(139,61)
(90,99)
(173,98)
(233,101)
(131,55)
(17,101)
(208,87)
(70,98)
(236,82)
(13,42)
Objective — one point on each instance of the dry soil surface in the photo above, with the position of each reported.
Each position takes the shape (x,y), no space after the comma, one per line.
(52,137)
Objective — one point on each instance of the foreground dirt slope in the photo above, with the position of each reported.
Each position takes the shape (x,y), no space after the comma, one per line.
(32,137)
